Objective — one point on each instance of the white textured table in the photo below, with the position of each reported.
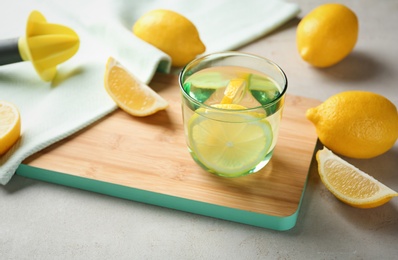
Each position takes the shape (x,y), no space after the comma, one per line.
(45,221)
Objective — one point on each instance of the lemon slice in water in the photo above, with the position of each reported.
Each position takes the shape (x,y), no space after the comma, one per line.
(229,144)
(234,92)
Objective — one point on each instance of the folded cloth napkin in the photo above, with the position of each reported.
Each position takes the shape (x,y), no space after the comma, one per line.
(76,97)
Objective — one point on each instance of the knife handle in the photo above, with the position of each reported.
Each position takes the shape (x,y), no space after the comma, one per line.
(9,52)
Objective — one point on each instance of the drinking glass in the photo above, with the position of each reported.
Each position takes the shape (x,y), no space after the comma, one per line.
(232,106)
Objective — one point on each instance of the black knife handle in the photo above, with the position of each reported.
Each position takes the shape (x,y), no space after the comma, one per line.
(9,52)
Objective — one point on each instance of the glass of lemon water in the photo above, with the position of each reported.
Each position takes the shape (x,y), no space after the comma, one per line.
(232,106)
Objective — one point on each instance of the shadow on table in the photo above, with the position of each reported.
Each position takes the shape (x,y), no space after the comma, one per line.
(309,193)
(357,66)
(18,183)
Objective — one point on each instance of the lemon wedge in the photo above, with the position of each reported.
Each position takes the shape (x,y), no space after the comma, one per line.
(234,91)
(349,184)
(129,93)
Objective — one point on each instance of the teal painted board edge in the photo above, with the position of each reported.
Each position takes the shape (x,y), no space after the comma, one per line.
(163,200)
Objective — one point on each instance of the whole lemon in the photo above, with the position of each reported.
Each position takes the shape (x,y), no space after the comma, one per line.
(172,33)
(327,34)
(357,124)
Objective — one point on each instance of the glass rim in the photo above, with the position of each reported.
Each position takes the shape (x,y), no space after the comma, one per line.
(226,54)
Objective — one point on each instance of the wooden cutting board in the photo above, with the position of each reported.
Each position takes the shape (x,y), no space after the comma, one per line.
(146,160)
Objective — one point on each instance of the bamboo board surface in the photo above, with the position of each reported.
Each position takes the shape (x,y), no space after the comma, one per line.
(150,154)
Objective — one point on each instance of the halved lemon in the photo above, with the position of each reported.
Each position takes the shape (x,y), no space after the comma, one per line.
(10,126)
(349,184)
(129,93)
(229,144)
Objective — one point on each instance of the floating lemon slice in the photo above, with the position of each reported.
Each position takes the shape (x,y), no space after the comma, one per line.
(234,91)
(10,126)
(230,144)
(129,93)
(349,184)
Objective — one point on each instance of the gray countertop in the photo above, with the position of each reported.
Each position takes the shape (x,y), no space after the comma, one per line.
(46,221)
